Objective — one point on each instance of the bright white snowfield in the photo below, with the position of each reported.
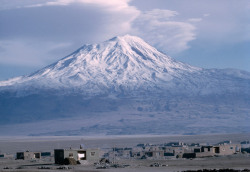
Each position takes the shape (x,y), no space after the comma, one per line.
(126,61)
(132,84)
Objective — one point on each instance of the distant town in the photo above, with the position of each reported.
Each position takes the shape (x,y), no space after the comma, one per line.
(156,155)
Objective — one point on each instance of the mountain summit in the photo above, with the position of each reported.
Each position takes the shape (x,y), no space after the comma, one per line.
(123,61)
(134,86)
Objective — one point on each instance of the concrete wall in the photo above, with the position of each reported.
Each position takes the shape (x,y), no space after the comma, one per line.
(224,149)
(61,154)
(227,149)
(71,154)
(174,150)
(28,155)
(92,155)
(204,154)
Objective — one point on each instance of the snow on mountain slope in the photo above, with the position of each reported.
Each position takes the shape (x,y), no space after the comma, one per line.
(129,65)
(125,61)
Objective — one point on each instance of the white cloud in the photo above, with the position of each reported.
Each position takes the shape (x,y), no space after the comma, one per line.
(118,17)
(161,29)
(14,4)
(110,18)
(47,32)
(113,5)
(158,14)
(116,6)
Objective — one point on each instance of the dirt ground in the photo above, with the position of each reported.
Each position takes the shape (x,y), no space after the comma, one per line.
(46,143)
(240,161)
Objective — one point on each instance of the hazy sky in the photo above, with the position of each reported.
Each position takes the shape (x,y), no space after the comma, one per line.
(204,33)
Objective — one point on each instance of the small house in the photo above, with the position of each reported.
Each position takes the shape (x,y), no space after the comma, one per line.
(28,155)
(227,149)
(221,149)
(204,151)
(87,155)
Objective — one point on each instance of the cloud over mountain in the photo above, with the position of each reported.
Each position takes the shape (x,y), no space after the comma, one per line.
(161,29)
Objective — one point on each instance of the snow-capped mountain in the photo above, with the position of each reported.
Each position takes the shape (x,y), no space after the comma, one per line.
(123,75)
(125,61)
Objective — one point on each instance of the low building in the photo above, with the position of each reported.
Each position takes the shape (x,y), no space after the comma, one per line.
(158,154)
(87,155)
(204,151)
(176,151)
(227,149)
(245,144)
(28,155)
(4,155)
(221,149)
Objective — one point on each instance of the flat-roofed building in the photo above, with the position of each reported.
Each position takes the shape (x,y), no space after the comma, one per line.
(87,155)
(28,155)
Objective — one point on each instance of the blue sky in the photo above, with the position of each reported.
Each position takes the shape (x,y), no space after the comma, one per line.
(204,33)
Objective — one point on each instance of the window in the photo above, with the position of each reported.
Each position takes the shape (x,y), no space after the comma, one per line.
(70,155)
(92,153)
(36,155)
(81,155)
